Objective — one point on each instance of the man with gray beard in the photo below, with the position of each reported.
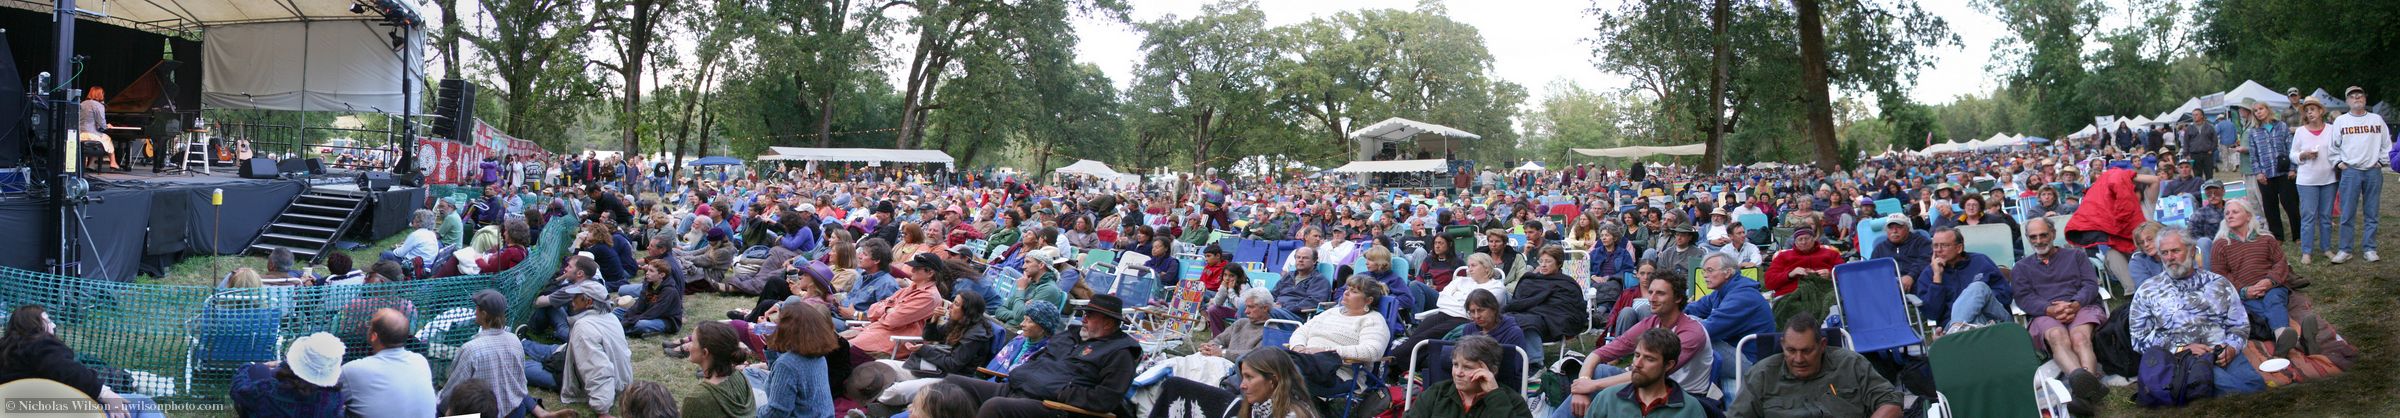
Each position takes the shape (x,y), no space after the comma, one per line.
(2196,310)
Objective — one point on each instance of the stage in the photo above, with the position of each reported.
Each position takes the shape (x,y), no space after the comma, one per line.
(140,222)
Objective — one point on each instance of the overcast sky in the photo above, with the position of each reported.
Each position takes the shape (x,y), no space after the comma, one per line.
(1533,42)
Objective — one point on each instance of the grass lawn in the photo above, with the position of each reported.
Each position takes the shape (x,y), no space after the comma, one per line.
(2357,298)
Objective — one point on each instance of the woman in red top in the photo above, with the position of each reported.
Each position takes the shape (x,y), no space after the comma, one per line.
(1805,258)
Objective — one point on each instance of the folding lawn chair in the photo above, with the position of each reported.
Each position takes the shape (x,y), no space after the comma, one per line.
(1757,347)
(1990,368)
(1996,241)
(1869,232)
(1867,295)
(1429,363)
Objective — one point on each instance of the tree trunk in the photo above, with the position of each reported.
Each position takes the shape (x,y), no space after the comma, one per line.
(708,123)
(1715,154)
(449,39)
(1812,79)
(690,105)
(636,51)
(918,76)
(1201,139)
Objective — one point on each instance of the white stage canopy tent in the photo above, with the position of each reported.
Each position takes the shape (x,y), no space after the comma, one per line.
(1429,137)
(1642,151)
(1089,168)
(345,66)
(187,14)
(1394,166)
(866,155)
(1530,166)
(312,55)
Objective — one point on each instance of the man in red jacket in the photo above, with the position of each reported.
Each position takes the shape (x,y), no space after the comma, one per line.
(1805,258)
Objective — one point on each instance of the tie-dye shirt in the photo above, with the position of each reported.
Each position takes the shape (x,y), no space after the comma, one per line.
(2202,309)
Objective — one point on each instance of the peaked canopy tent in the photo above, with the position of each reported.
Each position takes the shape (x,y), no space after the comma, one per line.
(1530,166)
(871,156)
(1432,139)
(1643,151)
(2334,105)
(2253,91)
(1089,168)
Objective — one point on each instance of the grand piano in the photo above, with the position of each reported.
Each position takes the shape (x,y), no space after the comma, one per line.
(146,110)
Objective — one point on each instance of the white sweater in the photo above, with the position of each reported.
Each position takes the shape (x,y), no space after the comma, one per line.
(2315,171)
(1360,338)
(1454,298)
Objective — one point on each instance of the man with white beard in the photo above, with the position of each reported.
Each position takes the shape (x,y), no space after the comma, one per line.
(2196,310)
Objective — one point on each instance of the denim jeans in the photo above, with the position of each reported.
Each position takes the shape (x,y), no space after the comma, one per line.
(1633,313)
(643,327)
(2316,230)
(2272,306)
(1978,305)
(1599,371)
(2362,191)
(2238,377)
(535,375)
(1725,376)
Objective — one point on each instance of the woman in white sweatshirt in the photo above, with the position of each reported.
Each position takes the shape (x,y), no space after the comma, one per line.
(1354,331)
(1481,273)
(2312,170)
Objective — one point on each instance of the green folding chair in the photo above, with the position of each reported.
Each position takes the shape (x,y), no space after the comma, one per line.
(1987,372)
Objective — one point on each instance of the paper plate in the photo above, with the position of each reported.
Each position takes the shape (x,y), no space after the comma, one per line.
(2274,365)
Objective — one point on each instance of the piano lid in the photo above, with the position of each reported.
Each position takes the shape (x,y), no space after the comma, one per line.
(146,91)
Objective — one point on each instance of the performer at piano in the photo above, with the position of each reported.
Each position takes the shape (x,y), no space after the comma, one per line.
(95,126)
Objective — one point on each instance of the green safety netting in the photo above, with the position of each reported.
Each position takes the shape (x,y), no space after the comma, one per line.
(185,342)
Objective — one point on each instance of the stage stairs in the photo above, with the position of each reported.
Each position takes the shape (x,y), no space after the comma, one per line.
(312,223)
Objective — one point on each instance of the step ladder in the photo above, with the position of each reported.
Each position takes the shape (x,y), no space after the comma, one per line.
(195,154)
(311,223)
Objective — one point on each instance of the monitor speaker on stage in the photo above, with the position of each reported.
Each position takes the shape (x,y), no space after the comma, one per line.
(375,181)
(258,168)
(292,166)
(316,166)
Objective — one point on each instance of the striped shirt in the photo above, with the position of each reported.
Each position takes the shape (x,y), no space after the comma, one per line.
(2245,262)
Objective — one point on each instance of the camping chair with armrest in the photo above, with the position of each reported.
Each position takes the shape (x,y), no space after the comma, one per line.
(1757,347)
(1996,241)
(1429,363)
(1991,369)
(1867,296)
(1756,223)
(1869,232)
(234,327)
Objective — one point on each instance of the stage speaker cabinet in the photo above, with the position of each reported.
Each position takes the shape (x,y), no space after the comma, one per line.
(454,106)
(259,168)
(293,166)
(316,166)
(376,180)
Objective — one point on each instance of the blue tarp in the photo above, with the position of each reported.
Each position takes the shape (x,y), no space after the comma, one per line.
(716,160)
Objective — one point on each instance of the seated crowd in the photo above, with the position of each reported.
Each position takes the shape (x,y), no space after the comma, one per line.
(890,293)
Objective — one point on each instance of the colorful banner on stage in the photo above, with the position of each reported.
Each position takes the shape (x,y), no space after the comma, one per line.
(454,162)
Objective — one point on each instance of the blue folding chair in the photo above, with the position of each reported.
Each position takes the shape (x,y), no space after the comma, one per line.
(1887,206)
(1867,294)
(1264,279)
(1869,231)
(223,339)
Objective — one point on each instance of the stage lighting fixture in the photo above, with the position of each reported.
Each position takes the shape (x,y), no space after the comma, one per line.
(356,8)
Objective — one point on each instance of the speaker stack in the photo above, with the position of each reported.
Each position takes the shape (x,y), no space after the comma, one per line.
(453,107)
